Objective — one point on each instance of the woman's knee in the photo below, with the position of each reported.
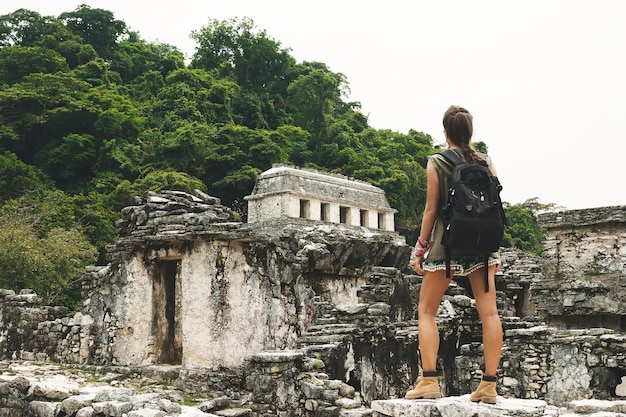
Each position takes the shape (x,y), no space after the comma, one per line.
(489,315)
(487,308)
(426,311)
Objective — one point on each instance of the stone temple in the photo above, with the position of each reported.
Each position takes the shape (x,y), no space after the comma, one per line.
(284,191)
(309,309)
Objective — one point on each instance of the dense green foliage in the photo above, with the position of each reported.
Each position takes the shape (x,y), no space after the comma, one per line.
(92,115)
(522,230)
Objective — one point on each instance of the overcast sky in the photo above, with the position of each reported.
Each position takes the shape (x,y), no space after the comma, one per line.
(545,80)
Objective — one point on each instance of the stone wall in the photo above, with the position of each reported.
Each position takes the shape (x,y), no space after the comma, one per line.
(30,331)
(588,242)
(584,266)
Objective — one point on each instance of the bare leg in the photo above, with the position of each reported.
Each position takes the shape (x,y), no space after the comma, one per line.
(488,314)
(433,287)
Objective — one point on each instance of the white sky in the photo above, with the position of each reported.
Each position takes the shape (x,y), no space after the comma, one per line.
(544,79)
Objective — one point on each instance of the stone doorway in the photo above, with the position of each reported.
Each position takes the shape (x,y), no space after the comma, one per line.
(166,300)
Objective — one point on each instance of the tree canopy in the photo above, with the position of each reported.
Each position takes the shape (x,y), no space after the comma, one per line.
(92,115)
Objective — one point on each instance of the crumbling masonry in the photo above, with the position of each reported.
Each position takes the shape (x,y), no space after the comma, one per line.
(303,314)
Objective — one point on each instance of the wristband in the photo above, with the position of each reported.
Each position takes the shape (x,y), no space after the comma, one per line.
(421,247)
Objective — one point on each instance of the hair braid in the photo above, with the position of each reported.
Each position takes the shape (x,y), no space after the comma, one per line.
(471,155)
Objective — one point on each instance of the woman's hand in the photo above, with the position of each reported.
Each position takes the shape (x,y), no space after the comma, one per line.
(422,246)
(418,265)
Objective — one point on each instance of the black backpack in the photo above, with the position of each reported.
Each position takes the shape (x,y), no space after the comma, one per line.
(474,217)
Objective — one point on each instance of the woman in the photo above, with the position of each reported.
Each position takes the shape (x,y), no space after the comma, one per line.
(430,262)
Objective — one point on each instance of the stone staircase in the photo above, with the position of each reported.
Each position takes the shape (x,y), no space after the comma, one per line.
(328,340)
(334,325)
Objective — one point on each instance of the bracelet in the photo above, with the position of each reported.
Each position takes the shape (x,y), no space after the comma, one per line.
(421,247)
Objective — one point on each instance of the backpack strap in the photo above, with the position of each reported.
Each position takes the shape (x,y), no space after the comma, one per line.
(486,268)
(447,249)
(452,157)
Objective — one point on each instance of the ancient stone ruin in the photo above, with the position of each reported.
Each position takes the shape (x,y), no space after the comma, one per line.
(285,191)
(310,313)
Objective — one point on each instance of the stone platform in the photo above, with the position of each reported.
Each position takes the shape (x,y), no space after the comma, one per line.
(461,406)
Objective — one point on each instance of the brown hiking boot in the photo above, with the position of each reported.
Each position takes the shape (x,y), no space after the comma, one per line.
(426,388)
(486,391)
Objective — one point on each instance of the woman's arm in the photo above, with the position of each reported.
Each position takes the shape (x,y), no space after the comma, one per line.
(430,211)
